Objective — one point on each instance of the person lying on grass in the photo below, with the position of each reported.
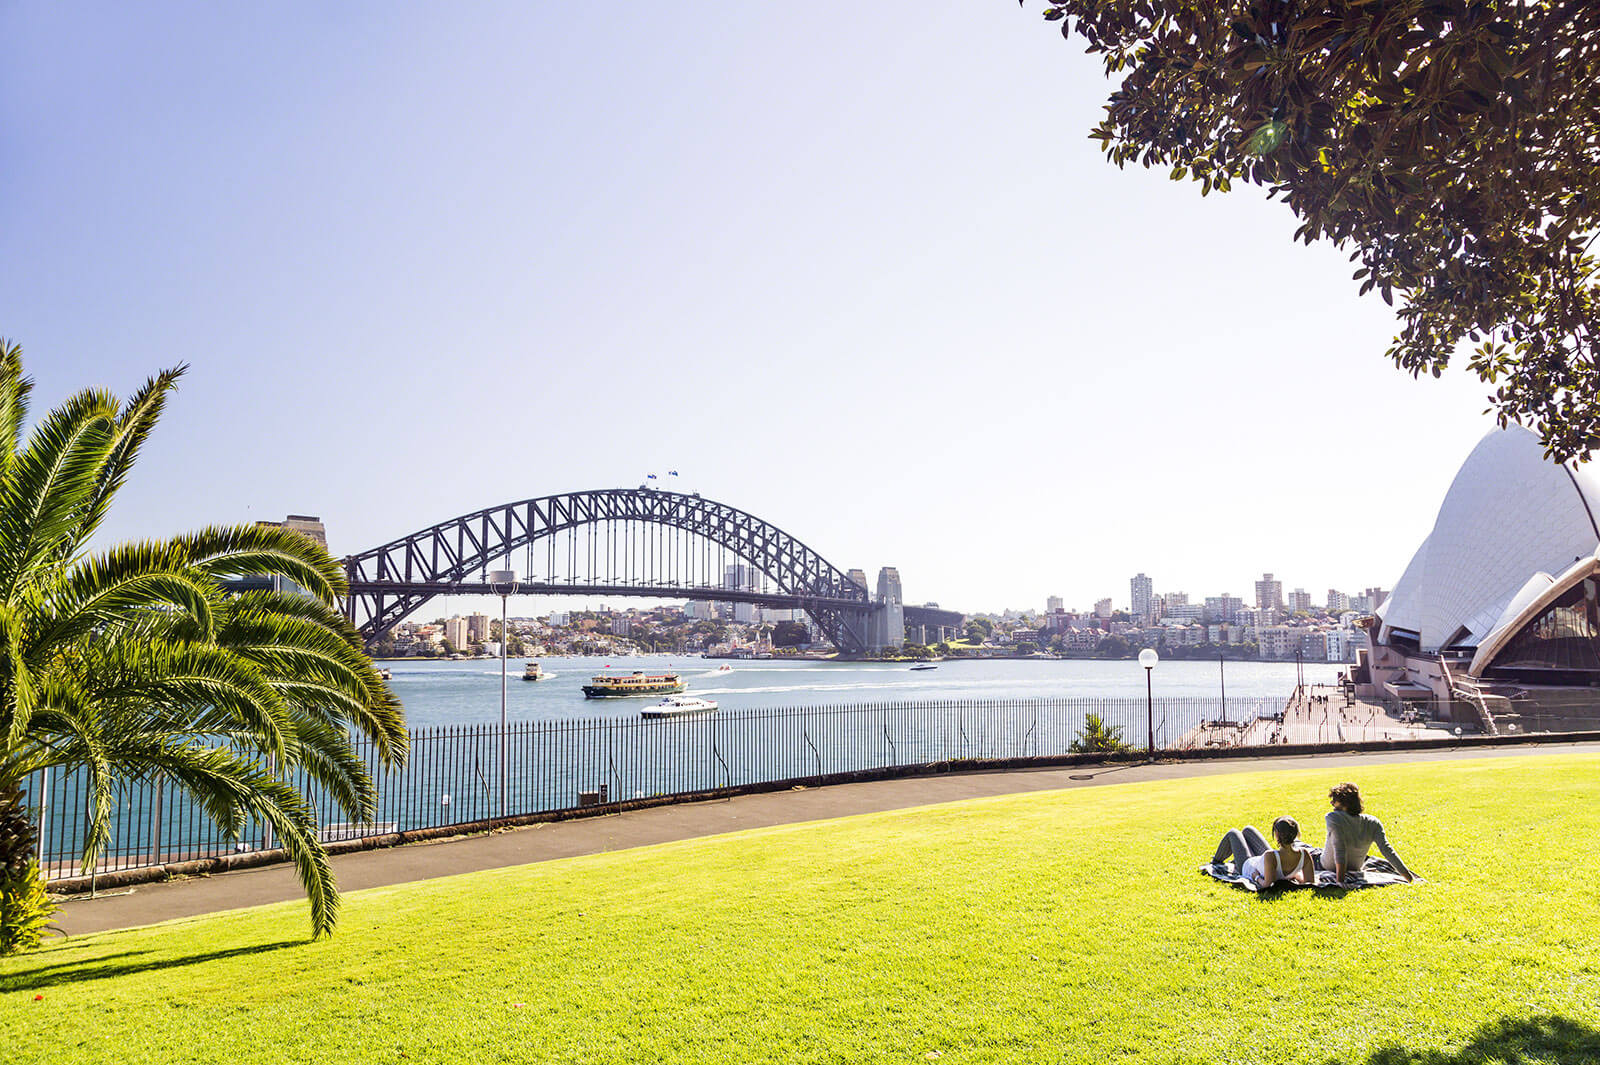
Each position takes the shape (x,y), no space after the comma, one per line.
(1351,834)
(1261,864)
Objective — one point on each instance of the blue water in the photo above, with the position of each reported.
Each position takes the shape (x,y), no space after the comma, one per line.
(468,693)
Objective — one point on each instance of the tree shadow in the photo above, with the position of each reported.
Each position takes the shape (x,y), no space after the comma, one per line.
(123,964)
(1508,1041)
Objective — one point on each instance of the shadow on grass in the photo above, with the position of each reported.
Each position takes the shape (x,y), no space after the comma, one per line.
(1509,1041)
(127,963)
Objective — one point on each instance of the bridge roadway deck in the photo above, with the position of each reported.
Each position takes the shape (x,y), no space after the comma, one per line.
(548,841)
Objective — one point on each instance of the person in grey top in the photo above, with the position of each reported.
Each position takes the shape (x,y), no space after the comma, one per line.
(1352,833)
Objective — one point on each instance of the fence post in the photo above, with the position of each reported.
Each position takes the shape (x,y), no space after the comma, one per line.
(44,805)
(266,826)
(155,823)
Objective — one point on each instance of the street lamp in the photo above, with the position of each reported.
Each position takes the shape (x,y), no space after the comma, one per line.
(503,582)
(1148,659)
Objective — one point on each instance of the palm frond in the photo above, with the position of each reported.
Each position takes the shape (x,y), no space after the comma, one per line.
(230,789)
(20,692)
(145,681)
(323,752)
(121,585)
(325,669)
(243,550)
(49,483)
(137,418)
(14,391)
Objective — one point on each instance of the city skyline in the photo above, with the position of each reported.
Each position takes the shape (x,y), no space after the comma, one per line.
(876,288)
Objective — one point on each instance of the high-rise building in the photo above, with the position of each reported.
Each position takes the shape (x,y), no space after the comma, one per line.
(1102,608)
(1142,596)
(1300,599)
(1269,593)
(1053,605)
(307,525)
(1277,641)
(478,627)
(1224,609)
(745,579)
(1376,596)
(455,630)
(1337,601)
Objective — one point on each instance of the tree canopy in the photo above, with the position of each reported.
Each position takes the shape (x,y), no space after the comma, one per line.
(1450,145)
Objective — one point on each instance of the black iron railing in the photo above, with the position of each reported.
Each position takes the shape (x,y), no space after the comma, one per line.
(451,777)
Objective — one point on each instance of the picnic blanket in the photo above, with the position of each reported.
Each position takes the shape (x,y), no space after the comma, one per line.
(1374,872)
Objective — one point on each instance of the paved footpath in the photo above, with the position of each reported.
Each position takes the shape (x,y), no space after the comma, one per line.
(148,903)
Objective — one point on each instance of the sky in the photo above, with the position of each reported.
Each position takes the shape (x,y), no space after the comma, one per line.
(856,269)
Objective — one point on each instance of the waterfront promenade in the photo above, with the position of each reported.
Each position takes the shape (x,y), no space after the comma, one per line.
(1320,715)
(189,897)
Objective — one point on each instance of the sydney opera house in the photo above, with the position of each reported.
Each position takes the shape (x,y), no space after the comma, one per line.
(1496,621)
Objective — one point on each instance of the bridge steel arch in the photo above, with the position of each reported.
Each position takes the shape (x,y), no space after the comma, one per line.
(388,582)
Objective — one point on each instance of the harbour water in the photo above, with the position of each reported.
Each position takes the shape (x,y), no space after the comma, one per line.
(468,693)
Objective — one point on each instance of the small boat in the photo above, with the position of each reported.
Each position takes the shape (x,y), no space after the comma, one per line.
(383,673)
(532,672)
(628,685)
(679,706)
(724,668)
(920,666)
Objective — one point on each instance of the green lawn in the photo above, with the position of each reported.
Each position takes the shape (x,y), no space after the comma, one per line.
(1068,926)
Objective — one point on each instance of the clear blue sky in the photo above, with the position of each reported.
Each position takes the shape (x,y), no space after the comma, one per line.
(855,268)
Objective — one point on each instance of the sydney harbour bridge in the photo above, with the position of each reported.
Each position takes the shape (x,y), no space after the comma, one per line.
(633,542)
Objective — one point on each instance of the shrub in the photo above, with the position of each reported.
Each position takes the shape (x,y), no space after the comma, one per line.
(25,909)
(1097,736)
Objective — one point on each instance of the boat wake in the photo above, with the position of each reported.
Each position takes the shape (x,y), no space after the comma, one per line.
(780,689)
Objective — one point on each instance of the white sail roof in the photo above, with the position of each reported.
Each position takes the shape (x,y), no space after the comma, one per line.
(1510,513)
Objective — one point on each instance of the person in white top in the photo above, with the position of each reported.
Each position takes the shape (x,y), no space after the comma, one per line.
(1262,865)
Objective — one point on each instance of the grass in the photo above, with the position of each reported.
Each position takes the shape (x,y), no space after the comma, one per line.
(1067,926)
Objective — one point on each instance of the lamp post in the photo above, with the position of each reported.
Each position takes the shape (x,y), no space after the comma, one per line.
(1222,672)
(1148,659)
(503,579)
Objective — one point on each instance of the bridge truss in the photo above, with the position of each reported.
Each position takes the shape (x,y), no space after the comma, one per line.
(614,541)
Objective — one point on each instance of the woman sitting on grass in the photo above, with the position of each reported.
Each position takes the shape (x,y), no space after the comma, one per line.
(1262,865)
(1351,834)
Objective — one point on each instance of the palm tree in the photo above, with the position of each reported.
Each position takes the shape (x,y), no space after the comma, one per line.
(138,664)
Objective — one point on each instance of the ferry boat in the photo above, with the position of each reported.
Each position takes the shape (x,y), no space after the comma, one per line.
(532,672)
(679,706)
(628,685)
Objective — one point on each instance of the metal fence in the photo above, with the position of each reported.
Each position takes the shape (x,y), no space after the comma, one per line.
(452,776)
